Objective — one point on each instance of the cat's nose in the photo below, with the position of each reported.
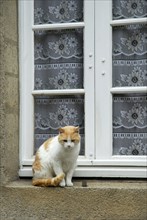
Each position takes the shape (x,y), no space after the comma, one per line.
(68,146)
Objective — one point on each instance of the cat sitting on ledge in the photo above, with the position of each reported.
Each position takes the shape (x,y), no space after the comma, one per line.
(56,158)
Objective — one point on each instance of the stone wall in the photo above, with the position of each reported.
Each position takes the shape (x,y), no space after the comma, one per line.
(9,91)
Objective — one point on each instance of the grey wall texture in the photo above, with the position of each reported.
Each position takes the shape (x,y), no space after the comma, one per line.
(9,91)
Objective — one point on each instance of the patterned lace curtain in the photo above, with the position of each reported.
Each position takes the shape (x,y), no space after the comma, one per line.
(130,69)
(58,56)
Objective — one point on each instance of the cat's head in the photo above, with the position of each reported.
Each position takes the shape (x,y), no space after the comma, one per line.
(69,136)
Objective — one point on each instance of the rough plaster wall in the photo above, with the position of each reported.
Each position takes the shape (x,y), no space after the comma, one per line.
(8,90)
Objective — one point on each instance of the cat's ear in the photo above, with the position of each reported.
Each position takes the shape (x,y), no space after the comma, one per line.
(77,129)
(61,130)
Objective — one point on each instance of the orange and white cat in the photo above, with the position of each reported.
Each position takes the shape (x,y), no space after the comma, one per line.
(55,160)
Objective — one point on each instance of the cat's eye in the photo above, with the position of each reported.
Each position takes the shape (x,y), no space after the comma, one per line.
(65,140)
(72,140)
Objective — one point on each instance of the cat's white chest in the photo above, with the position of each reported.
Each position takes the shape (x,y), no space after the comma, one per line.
(67,157)
(71,158)
(67,163)
(56,155)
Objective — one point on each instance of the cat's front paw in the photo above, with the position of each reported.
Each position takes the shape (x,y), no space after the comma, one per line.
(69,183)
(62,183)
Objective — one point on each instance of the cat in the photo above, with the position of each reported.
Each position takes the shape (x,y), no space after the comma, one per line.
(56,158)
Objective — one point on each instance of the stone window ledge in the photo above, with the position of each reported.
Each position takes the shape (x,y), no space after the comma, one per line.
(102,199)
(90,183)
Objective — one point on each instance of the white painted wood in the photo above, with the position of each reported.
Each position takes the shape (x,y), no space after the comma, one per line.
(26,78)
(116,172)
(122,172)
(98,160)
(58,26)
(128,21)
(104,90)
(26,28)
(128,90)
(89,70)
(59,92)
(114,161)
(103,73)
(124,161)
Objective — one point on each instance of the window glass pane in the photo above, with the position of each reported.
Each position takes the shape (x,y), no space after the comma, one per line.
(130,55)
(129,9)
(57,11)
(129,69)
(53,112)
(58,59)
(130,124)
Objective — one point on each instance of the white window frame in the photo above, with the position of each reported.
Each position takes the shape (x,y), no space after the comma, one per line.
(98,160)
(128,166)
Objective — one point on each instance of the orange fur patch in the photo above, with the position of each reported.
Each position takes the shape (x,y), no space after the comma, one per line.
(47,143)
(37,163)
(48,182)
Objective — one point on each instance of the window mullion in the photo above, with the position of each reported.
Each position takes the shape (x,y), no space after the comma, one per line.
(103,62)
(124,90)
(128,21)
(89,69)
(58,26)
(59,92)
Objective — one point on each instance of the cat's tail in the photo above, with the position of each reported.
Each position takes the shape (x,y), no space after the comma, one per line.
(48,182)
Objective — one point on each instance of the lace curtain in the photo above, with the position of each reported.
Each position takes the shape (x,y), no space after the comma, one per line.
(58,65)
(57,111)
(130,69)
(130,55)
(58,11)
(130,124)
(129,9)
(59,59)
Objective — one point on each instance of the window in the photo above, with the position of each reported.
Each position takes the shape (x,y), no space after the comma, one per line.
(84,63)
